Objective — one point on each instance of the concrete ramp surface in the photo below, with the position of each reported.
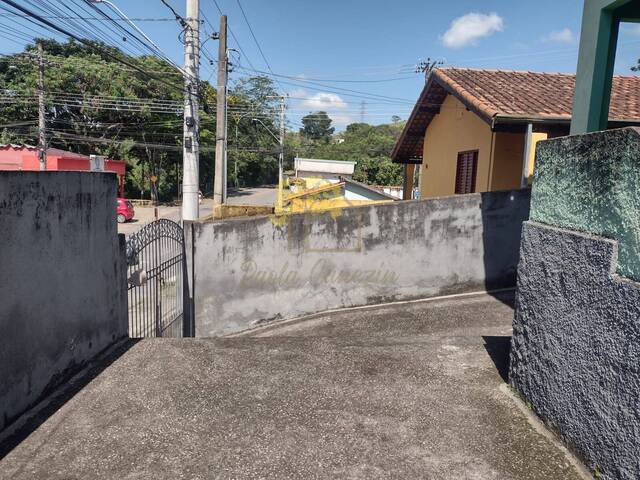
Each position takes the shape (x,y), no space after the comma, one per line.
(404,391)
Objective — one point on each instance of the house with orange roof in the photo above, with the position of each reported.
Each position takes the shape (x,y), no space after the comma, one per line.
(476,130)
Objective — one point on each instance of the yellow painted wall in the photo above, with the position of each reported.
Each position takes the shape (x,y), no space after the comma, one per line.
(453,130)
(301,205)
(535,138)
(325,199)
(506,171)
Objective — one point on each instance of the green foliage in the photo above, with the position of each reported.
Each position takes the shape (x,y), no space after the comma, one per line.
(317,126)
(150,142)
(369,145)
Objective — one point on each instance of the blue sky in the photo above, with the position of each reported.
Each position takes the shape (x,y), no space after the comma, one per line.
(372,46)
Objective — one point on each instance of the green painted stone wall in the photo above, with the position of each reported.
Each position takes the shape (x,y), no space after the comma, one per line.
(591,183)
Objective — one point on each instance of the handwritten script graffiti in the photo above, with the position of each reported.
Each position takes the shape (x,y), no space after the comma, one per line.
(322,273)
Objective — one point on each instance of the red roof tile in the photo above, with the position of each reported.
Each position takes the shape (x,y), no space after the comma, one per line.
(533,94)
(492,94)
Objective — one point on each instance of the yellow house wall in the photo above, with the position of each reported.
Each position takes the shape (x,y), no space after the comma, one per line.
(453,130)
(535,138)
(507,159)
(508,151)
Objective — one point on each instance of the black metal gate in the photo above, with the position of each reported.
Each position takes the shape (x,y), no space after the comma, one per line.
(156,281)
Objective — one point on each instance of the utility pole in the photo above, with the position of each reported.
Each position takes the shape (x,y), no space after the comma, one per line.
(220,174)
(363,109)
(281,158)
(42,139)
(427,66)
(190,176)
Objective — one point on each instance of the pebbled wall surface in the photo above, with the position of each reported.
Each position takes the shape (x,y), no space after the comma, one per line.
(590,183)
(575,351)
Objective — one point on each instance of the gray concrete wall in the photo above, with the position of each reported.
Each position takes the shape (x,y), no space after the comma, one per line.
(260,269)
(575,351)
(62,280)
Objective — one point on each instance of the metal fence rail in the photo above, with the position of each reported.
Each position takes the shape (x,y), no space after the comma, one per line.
(155,276)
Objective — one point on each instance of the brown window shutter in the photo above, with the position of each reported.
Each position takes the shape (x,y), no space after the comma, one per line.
(466,171)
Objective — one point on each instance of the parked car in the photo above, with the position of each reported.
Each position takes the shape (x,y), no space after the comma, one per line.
(124,210)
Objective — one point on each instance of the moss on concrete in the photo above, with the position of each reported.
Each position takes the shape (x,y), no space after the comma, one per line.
(590,183)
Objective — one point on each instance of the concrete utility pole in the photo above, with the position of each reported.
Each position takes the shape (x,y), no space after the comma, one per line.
(427,66)
(42,139)
(220,178)
(191,153)
(281,158)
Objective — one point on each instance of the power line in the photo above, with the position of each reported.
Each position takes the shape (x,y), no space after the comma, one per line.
(85,42)
(332,89)
(178,17)
(256,42)
(58,17)
(153,47)
(17,59)
(233,35)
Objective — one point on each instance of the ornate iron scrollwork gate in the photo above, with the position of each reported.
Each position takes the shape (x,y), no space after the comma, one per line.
(156,280)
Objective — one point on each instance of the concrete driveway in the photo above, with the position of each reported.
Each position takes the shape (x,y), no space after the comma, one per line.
(252,196)
(404,391)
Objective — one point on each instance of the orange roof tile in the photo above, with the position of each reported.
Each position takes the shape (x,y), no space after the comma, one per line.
(533,94)
(515,95)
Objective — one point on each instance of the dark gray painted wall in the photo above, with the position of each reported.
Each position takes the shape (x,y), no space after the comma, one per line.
(62,281)
(576,345)
(265,268)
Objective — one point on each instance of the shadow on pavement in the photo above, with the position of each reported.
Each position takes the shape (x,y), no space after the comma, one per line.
(62,395)
(499,349)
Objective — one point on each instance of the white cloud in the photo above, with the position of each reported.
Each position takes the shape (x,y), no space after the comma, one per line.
(467,29)
(333,104)
(324,101)
(561,36)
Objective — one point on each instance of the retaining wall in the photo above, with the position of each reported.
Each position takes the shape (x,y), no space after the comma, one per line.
(249,271)
(62,280)
(575,351)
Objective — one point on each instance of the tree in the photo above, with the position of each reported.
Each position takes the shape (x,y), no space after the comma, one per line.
(368,145)
(317,126)
(149,139)
(396,119)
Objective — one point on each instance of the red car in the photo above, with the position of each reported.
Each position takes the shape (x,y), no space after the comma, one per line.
(124,211)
